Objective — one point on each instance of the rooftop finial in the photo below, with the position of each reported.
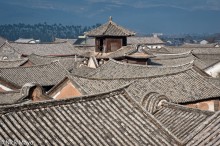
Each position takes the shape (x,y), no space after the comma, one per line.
(110,18)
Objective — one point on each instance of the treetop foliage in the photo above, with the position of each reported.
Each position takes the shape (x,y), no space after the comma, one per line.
(43,31)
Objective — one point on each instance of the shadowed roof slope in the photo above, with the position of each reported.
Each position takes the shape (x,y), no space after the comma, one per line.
(105,119)
(109,29)
(45,75)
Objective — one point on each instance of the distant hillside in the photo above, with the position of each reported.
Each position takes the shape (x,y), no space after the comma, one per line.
(44,32)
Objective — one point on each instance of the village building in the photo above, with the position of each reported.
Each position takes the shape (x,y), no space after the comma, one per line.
(113,69)
(175,59)
(210,56)
(87,120)
(47,75)
(69,62)
(149,42)
(30,92)
(181,120)
(13,63)
(109,37)
(7,52)
(190,87)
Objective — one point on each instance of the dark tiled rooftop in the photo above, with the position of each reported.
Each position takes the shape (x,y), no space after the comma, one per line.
(104,119)
(45,75)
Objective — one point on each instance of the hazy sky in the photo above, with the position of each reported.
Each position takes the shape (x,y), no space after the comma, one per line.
(141,16)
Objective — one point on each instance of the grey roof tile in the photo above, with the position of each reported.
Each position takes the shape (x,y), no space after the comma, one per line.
(207,133)
(176,59)
(115,70)
(180,120)
(46,49)
(105,119)
(109,29)
(195,50)
(144,40)
(10,97)
(181,87)
(12,63)
(82,70)
(7,52)
(45,75)
(68,62)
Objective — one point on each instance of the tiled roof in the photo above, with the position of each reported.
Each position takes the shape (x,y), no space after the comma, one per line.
(116,54)
(195,50)
(115,69)
(2,40)
(7,52)
(176,59)
(45,75)
(105,119)
(144,40)
(12,63)
(199,45)
(68,62)
(152,51)
(47,49)
(10,97)
(209,59)
(215,81)
(109,29)
(180,120)
(82,70)
(207,133)
(94,86)
(182,87)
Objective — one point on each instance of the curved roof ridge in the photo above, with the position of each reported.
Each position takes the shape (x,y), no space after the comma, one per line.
(183,53)
(50,63)
(44,43)
(101,30)
(149,66)
(134,78)
(51,102)
(175,106)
